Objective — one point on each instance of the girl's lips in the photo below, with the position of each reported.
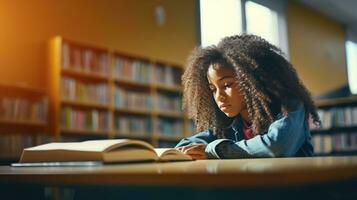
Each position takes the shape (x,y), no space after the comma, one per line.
(223,107)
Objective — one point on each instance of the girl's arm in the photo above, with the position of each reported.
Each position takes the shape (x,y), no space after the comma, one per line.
(204,137)
(284,138)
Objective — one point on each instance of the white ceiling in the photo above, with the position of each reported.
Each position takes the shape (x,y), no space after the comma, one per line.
(344,11)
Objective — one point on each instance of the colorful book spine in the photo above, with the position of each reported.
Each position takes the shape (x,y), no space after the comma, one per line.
(16,108)
(132,70)
(11,145)
(132,99)
(334,143)
(337,117)
(72,118)
(167,75)
(168,102)
(75,90)
(82,59)
(170,127)
(134,125)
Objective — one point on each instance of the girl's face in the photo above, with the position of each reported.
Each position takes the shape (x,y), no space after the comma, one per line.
(225,90)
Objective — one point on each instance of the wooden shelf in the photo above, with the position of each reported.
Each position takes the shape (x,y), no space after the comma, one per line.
(133,111)
(170,114)
(130,56)
(152,88)
(131,83)
(26,125)
(84,74)
(334,130)
(85,104)
(336,101)
(346,152)
(169,88)
(22,89)
(85,132)
(93,46)
(23,122)
(168,64)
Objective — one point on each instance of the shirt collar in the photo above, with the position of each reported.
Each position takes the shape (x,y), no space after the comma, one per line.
(236,124)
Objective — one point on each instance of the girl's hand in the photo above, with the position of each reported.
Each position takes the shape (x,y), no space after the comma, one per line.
(196,151)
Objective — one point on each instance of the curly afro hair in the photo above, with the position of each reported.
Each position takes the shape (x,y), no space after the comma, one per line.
(267,81)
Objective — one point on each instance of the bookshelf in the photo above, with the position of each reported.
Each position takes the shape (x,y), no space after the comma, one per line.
(23,119)
(338,133)
(103,92)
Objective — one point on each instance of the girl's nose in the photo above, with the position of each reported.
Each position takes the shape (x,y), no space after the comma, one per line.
(221,96)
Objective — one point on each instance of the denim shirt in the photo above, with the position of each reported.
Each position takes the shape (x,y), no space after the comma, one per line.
(288,136)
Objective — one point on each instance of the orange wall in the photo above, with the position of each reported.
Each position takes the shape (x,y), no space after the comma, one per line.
(317,49)
(125,25)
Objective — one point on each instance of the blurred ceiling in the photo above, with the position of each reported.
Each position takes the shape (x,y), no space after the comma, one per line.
(344,11)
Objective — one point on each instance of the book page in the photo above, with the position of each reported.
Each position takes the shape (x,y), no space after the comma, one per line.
(171,154)
(161,151)
(92,145)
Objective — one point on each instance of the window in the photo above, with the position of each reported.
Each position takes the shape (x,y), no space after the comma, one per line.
(219,19)
(351,50)
(262,21)
(268,20)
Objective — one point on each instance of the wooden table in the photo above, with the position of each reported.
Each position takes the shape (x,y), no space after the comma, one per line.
(274,176)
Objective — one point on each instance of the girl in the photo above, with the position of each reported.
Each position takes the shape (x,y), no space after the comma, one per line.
(247,100)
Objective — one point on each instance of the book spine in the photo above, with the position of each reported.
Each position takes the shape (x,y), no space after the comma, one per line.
(132,99)
(75,90)
(17,108)
(75,118)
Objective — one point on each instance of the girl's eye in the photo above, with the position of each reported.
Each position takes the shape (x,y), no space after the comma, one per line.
(228,85)
(212,88)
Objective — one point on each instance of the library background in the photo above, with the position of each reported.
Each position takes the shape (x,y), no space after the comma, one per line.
(114,71)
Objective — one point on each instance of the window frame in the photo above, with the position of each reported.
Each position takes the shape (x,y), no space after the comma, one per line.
(279,6)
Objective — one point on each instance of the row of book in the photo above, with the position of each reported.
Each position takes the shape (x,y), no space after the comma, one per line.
(98,120)
(337,117)
(11,145)
(168,75)
(143,125)
(84,59)
(340,142)
(133,125)
(168,102)
(132,99)
(76,90)
(171,127)
(146,72)
(133,70)
(17,108)
(72,118)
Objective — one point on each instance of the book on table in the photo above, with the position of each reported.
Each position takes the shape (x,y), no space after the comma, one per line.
(104,151)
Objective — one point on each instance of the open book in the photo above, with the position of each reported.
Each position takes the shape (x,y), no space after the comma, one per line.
(107,151)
